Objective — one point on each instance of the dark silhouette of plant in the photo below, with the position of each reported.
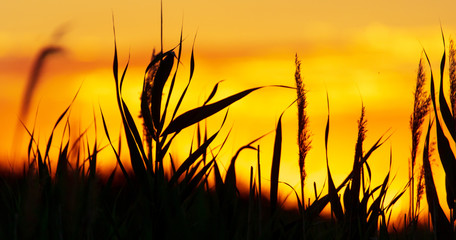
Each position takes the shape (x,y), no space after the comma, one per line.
(421,106)
(444,122)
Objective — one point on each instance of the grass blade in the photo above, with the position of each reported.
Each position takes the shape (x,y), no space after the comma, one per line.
(219,185)
(441,225)
(191,159)
(276,166)
(444,108)
(230,185)
(198,114)
(230,179)
(173,80)
(200,176)
(213,92)
(132,136)
(192,69)
(165,66)
(62,162)
(119,162)
(336,206)
(134,144)
(446,154)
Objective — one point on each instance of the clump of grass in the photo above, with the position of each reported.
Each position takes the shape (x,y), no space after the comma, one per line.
(60,203)
(185,187)
(72,202)
(359,218)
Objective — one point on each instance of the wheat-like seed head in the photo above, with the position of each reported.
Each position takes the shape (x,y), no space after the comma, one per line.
(303,120)
(420,110)
(452,73)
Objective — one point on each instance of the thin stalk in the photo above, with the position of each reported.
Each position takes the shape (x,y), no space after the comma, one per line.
(420,110)
(259,191)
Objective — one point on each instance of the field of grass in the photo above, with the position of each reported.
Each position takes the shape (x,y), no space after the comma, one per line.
(193,201)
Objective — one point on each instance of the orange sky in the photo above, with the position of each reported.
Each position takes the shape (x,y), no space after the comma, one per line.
(358,51)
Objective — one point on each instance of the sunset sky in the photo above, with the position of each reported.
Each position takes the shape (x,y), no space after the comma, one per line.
(359,52)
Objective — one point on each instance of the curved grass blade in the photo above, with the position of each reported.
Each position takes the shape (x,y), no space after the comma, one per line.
(296,195)
(165,66)
(195,115)
(131,133)
(31,141)
(230,178)
(441,225)
(200,176)
(229,185)
(191,159)
(115,152)
(317,207)
(135,146)
(444,108)
(213,92)
(336,206)
(192,69)
(446,154)
(375,210)
(46,155)
(173,80)
(190,172)
(448,159)
(374,147)
(173,166)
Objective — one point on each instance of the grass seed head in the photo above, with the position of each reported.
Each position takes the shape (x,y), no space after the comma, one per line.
(452,70)
(303,121)
(420,110)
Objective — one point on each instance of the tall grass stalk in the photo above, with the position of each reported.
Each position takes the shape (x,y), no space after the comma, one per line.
(303,133)
(303,128)
(421,106)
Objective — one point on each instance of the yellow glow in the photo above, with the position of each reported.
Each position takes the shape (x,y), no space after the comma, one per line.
(366,55)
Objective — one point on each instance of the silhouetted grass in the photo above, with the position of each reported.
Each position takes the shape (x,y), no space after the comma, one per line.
(74,201)
(421,106)
(442,225)
(303,129)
